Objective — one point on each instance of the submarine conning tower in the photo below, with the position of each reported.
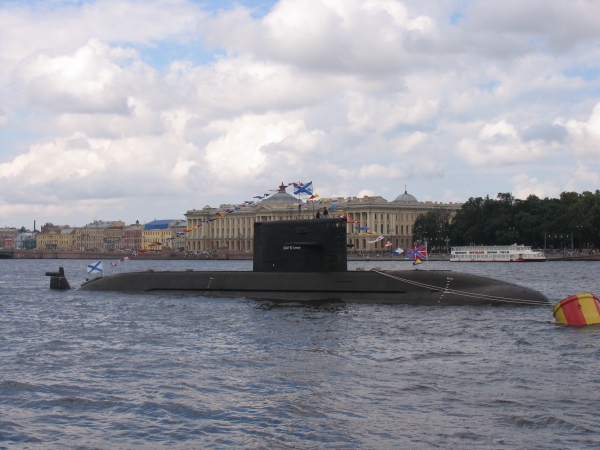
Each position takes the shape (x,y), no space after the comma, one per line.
(317,245)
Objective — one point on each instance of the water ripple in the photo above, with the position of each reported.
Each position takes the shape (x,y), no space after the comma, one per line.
(98,370)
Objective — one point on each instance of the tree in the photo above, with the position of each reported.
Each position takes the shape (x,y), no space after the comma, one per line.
(433,227)
(537,222)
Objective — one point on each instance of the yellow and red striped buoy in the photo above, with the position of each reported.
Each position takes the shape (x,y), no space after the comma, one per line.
(579,309)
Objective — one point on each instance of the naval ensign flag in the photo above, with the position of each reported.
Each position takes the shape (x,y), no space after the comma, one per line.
(95,268)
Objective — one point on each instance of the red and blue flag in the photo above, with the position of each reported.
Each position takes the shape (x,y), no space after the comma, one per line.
(417,252)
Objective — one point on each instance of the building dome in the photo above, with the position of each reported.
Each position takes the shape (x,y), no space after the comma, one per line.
(281,198)
(406,197)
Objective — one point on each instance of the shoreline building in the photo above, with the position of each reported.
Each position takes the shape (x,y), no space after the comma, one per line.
(160,233)
(8,237)
(132,236)
(95,235)
(25,241)
(393,220)
(178,235)
(232,226)
(56,238)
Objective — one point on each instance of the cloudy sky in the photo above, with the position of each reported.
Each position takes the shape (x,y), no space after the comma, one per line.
(136,110)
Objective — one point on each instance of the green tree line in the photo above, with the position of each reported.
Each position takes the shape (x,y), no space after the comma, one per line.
(571,220)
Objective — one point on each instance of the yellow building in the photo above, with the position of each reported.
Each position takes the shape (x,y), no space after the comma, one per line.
(113,238)
(159,233)
(233,225)
(56,239)
(91,236)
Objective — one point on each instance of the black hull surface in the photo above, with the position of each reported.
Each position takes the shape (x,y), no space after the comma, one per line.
(419,287)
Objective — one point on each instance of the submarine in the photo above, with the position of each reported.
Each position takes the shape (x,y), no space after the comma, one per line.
(307,261)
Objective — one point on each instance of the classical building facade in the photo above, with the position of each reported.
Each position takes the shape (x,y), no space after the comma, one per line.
(56,239)
(99,235)
(233,225)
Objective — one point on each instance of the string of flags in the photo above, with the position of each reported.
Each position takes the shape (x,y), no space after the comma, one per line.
(299,188)
(97,268)
(116,263)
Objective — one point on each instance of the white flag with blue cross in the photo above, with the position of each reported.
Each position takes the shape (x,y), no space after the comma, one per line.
(95,268)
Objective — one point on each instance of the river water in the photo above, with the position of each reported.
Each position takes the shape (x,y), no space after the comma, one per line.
(105,370)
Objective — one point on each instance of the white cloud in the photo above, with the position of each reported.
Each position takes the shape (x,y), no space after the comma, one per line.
(87,80)
(562,24)
(450,196)
(524,186)
(241,146)
(246,84)
(42,25)
(499,143)
(331,35)
(582,179)
(85,167)
(361,96)
(365,193)
(375,171)
(585,136)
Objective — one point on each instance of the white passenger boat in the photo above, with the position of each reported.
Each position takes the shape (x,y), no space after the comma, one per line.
(496,253)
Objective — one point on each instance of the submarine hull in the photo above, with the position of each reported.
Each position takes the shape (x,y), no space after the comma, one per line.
(416,287)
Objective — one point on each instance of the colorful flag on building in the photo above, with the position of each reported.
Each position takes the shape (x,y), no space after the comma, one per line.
(380,238)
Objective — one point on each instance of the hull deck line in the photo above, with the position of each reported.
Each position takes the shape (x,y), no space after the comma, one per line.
(396,287)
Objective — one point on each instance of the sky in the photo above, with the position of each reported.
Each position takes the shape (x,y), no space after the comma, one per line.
(142,110)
